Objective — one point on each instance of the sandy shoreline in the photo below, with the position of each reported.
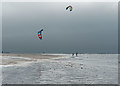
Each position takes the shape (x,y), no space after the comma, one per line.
(12,58)
(83,69)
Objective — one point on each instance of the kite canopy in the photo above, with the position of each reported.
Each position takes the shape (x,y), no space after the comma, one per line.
(40,34)
(70,7)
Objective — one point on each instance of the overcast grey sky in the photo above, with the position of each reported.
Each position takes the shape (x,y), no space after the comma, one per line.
(92,27)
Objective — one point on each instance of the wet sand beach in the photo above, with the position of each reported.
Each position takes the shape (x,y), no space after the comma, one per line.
(60,69)
(12,58)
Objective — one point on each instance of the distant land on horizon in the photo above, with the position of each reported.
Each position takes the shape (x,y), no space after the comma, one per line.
(62,52)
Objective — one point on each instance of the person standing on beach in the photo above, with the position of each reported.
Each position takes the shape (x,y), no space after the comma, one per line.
(76,54)
(72,54)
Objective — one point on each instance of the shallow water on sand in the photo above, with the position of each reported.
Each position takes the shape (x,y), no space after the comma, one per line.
(84,69)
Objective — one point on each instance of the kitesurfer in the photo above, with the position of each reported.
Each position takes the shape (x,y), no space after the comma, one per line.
(76,54)
(72,54)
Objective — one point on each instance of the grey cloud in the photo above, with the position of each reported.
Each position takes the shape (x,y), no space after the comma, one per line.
(90,27)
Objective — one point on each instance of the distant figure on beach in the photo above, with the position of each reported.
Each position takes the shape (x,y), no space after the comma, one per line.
(76,54)
(72,54)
